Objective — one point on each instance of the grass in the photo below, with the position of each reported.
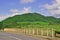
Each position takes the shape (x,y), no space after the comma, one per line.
(55,27)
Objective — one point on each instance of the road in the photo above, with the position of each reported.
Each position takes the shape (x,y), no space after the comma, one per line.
(10,36)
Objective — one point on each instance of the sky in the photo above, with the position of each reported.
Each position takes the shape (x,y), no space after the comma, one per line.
(9,8)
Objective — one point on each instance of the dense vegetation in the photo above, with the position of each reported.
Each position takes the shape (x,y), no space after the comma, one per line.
(32,20)
(1,26)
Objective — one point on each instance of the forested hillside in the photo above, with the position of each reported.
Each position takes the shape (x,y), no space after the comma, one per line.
(32,17)
(29,20)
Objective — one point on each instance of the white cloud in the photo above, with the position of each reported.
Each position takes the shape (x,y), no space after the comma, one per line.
(1,18)
(26,10)
(4,17)
(53,8)
(19,12)
(16,12)
(26,1)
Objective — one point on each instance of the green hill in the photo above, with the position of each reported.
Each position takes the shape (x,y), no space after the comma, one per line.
(31,17)
(30,20)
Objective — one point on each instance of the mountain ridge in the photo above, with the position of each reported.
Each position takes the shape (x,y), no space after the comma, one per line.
(30,19)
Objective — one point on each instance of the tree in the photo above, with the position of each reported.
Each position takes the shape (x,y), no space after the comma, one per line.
(1,26)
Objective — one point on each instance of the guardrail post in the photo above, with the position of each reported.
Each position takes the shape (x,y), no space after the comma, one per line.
(41,32)
(37,31)
(33,31)
(53,33)
(47,32)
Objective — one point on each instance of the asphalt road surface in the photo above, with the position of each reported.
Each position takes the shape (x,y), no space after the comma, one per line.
(10,36)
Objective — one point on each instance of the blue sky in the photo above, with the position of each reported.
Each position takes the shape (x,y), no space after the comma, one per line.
(10,8)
